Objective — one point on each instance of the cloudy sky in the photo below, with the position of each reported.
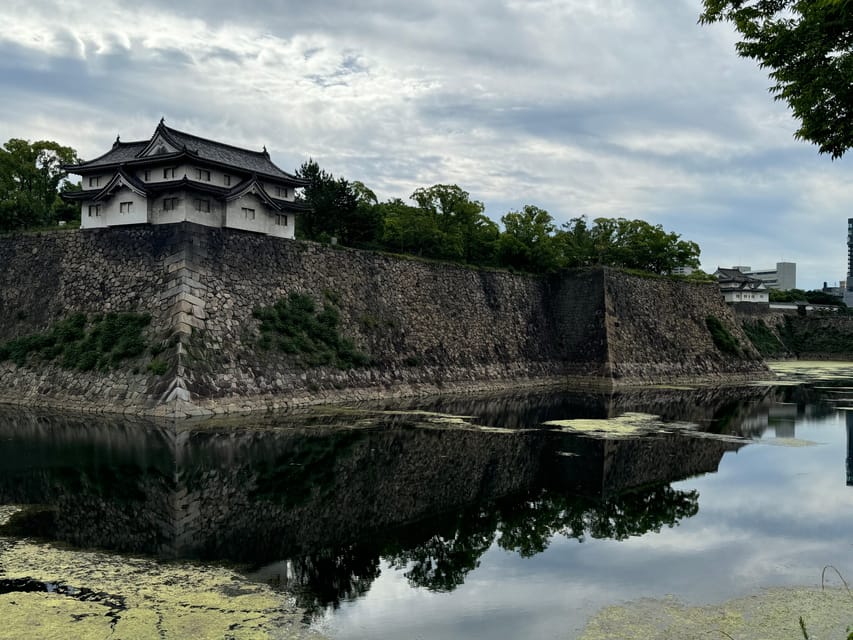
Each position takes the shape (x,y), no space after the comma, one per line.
(582,107)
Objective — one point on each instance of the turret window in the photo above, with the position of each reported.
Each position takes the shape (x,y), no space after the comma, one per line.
(248,214)
(170,204)
(168,173)
(202,205)
(125,207)
(94,210)
(95,181)
(203,175)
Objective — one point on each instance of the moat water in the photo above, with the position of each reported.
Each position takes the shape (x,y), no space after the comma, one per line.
(521,515)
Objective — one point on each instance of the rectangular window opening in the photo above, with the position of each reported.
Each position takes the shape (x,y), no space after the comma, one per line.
(170,204)
(168,173)
(202,205)
(125,207)
(227,180)
(248,214)
(95,181)
(94,210)
(202,175)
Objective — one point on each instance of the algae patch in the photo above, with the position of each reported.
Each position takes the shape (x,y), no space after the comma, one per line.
(805,370)
(786,442)
(767,615)
(56,592)
(626,425)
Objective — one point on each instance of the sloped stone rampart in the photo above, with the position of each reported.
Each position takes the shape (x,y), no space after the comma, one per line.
(656,329)
(428,327)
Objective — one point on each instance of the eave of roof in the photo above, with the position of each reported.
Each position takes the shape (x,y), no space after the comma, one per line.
(200,149)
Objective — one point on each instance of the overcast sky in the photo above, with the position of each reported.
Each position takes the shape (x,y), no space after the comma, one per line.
(582,107)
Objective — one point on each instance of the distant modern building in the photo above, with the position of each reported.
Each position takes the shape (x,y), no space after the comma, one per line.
(682,271)
(736,286)
(175,177)
(783,277)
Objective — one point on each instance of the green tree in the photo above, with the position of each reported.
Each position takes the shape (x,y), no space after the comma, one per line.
(31,177)
(409,229)
(806,45)
(467,234)
(339,208)
(630,244)
(528,242)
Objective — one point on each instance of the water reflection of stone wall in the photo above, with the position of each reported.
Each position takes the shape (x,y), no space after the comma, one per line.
(297,489)
(607,467)
(243,493)
(315,499)
(280,486)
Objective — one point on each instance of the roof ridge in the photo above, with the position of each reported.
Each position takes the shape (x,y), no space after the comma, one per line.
(106,153)
(217,142)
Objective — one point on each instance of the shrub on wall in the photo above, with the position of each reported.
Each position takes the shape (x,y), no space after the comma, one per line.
(81,343)
(723,340)
(763,338)
(295,326)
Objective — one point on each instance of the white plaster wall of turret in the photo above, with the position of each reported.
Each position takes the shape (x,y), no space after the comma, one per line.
(280,192)
(124,207)
(176,211)
(249,213)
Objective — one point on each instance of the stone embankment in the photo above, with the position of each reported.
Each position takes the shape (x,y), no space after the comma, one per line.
(426,327)
(785,335)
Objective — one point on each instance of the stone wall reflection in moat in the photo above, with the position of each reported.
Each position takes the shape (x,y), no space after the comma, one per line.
(314,500)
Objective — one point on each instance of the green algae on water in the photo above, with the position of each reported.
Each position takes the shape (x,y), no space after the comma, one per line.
(100,595)
(627,425)
(767,615)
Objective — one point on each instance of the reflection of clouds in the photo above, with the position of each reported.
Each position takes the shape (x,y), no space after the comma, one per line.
(769,516)
(602,108)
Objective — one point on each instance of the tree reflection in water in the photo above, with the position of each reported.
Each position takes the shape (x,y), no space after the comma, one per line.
(439,554)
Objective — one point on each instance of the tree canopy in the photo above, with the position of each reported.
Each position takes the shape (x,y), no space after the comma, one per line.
(31,179)
(806,45)
(444,222)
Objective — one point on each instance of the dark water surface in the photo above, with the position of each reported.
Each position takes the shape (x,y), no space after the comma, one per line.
(408,522)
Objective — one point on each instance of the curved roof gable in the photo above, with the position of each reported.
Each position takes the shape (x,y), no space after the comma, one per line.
(166,141)
(119,180)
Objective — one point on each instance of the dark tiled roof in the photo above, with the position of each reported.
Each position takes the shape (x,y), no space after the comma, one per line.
(121,152)
(253,161)
(217,152)
(733,275)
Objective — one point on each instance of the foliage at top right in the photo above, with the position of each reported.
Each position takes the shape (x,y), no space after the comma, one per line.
(806,45)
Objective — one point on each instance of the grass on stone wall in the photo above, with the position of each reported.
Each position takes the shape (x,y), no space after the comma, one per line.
(723,340)
(763,338)
(295,326)
(801,335)
(78,342)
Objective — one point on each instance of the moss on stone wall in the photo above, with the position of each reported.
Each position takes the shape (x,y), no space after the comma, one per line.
(723,339)
(818,334)
(763,338)
(82,343)
(295,326)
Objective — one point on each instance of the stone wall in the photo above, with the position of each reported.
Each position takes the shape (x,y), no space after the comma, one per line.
(812,336)
(656,329)
(428,327)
